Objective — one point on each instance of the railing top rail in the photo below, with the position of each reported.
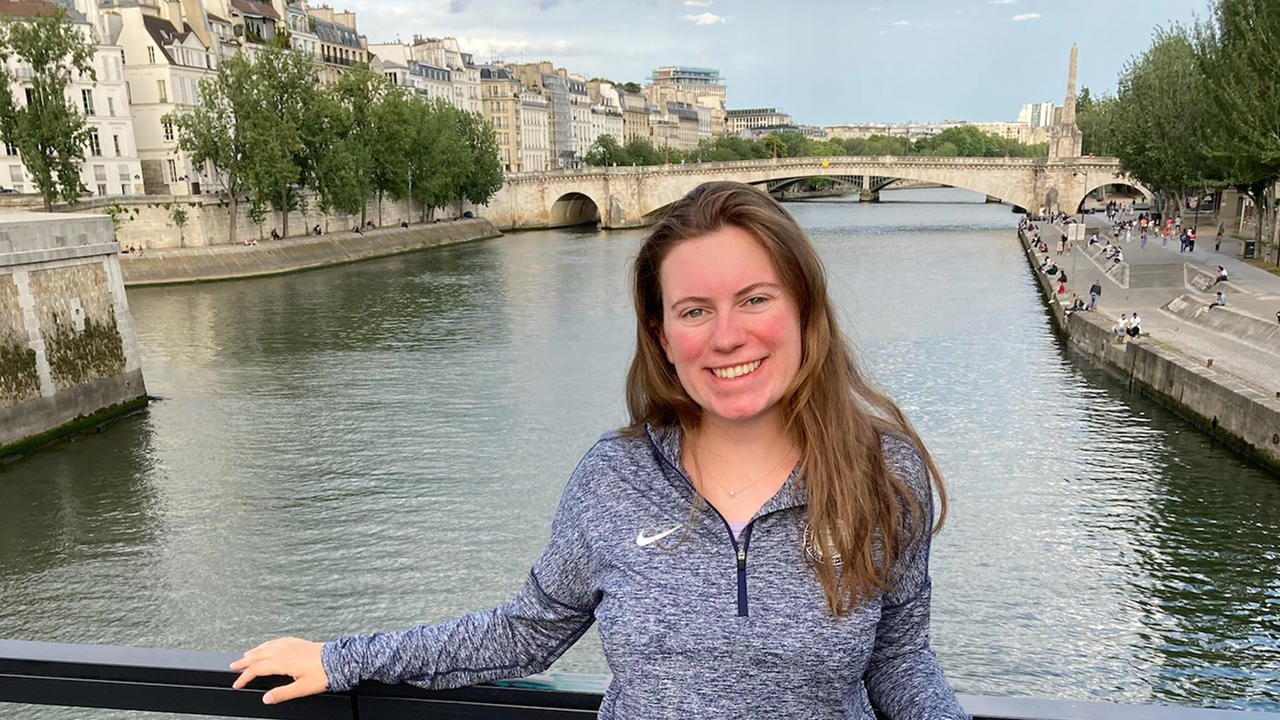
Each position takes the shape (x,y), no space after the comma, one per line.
(199,681)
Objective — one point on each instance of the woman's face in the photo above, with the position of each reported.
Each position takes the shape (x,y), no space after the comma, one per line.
(729,327)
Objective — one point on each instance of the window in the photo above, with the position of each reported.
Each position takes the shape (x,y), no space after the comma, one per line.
(15,173)
(163,90)
(95,146)
(124,173)
(115,140)
(168,129)
(111,106)
(124,189)
(151,55)
(100,173)
(102,189)
(86,97)
(173,170)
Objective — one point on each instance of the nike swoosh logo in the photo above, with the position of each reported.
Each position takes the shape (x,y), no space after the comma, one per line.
(642,539)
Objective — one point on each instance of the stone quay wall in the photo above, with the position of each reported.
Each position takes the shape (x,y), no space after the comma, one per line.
(1239,415)
(68,351)
(146,221)
(273,257)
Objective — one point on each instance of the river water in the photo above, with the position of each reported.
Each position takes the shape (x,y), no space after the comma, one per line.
(380,444)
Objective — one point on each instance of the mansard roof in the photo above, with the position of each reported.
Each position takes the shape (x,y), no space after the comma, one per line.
(255,9)
(165,35)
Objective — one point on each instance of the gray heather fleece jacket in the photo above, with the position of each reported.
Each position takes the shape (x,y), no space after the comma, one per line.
(711,627)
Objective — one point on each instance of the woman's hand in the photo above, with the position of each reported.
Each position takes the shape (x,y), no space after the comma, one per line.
(295,657)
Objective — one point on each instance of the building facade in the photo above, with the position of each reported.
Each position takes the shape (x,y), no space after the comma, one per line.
(752,118)
(111,166)
(691,86)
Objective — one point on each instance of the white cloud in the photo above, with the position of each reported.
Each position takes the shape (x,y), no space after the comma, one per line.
(697,3)
(875,8)
(1026,16)
(1001,2)
(508,48)
(706,18)
(902,23)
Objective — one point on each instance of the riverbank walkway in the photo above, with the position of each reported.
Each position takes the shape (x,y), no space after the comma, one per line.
(1171,291)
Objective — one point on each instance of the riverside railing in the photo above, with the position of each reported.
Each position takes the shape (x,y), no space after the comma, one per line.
(198,682)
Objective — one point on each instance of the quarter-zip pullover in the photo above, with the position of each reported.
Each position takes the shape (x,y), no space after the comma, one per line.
(694,622)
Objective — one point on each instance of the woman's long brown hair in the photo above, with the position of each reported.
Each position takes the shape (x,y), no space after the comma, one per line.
(859,512)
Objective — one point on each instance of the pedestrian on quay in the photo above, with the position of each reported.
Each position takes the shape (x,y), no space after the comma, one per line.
(1217,239)
(1218,301)
(1095,292)
(747,437)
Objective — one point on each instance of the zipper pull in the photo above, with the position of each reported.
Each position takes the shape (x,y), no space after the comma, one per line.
(742,559)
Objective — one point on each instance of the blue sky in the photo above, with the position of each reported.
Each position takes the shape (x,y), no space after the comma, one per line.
(822,61)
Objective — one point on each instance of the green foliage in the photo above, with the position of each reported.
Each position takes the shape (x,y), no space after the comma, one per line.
(118,214)
(48,131)
(483,176)
(1097,123)
(965,141)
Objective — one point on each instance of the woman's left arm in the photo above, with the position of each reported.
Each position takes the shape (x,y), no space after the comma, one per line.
(904,680)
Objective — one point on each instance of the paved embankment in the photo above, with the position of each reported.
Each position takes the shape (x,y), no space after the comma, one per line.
(1220,368)
(225,262)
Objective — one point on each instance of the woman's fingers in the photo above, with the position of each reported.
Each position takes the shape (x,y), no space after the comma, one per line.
(294,657)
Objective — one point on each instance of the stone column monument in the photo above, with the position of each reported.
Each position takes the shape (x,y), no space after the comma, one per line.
(1065,140)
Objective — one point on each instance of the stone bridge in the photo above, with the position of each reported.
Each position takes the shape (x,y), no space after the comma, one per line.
(618,197)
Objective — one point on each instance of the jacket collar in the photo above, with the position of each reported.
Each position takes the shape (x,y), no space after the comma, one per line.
(666,440)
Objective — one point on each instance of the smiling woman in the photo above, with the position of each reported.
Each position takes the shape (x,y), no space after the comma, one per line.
(751,429)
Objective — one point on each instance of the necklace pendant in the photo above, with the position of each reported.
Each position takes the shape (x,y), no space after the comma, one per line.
(732,493)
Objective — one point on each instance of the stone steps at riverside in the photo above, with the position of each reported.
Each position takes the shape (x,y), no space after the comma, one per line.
(1255,332)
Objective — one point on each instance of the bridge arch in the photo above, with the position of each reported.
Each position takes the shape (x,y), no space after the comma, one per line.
(1127,183)
(574,208)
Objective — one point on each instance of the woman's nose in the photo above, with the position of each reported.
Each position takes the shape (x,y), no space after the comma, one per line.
(729,334)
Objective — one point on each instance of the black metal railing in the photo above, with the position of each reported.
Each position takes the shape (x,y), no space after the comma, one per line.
(198,682)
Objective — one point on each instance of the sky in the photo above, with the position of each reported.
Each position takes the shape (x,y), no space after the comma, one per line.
(821,61)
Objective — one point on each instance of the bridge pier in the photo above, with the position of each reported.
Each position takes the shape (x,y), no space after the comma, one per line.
(993,199)
(869,196)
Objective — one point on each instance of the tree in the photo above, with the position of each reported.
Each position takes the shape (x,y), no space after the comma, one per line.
(1160,114)
(1238,56)
(179,218)
(606,151)
(220,130)
(358,91)
(392,124)
(436,166)
(1096,120)
(483,176)
(285,157)
(49,132)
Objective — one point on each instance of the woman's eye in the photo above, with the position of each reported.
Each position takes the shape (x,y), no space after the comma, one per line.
(693,313)
(757,300)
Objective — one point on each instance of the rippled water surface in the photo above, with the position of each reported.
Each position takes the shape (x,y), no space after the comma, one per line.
(384,443)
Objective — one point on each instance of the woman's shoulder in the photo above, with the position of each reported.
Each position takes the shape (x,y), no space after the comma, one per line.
(905,460)
(618,452)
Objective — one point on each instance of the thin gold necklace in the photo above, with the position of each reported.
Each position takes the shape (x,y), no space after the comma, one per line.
(702,473)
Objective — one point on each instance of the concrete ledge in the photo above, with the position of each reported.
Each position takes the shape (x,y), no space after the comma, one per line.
(37,421)
(62,253)
(1241,416)
(226,262)
(1247,329)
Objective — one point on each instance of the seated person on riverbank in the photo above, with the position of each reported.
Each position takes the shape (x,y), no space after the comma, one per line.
(762,439)
(1219,301)
(1134,326)
(1077,304)
(274,235)
(315,230)
(1121,327)
(1222,276)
